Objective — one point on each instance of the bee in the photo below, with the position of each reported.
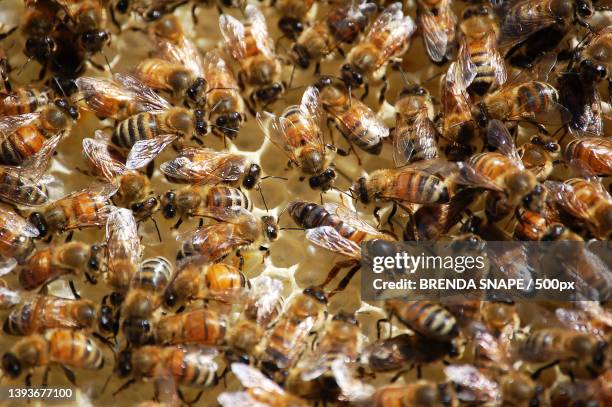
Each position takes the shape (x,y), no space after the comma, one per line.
(414,136)
(283,344)
(387,39)
(16,235)
(574,392)
(23,100)
(147,122)
(81,209)
(87,19)
(204,165)
(574,350)
(219,281)
(539,155)
(502,171)
(8,297)
(201,327)
(68,348)
(224,102)
(437,21)
(134,188)
(298,133)
(123,249)
(293,14)
(585,200)
(427,318)
(355,120)
(238,229)
(413,183)
(44,312)
(591,153)
(478,44)
(341,340)
(177,67)
(51,262)
(473,384)
(194,367)
(250,45)
(259,390)
(37,27)
(418,394)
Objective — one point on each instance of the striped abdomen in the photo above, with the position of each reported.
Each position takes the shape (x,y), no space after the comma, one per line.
(543,346)
(594,153)
(285,342)
(142,126)
(531,226)
(311,215)
(74,349)
(494,166)
(202,327)
(425,317)
(21,101)
(191,367)
(153,275)
(421,142)
(83,210)
(416,187)
(16,189)
(533,97)
(482,52)
(222,279)
(222,196)
(20,145)
(353,127)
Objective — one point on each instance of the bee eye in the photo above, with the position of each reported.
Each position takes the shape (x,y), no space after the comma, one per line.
(552,146)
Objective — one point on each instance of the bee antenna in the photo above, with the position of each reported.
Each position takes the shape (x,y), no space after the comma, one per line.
(107,63)
(263,199)
(156,229)
(59,86)
(433,77)
(223,128)
(281,214)
(23,66)
(348,193)
(300,229)
(274,176)
(403,73)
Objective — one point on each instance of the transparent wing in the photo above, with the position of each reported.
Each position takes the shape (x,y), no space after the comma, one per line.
(8,298)
(565,196)
(311,107)
(275,129)
(36,165)
(399,33)
(352,388)
(328,238)
(183,52)
(467,175)
(100,153)
(391,14)
(122,240)
(406,144)
(238,399)
(268,293)
(259,30)
(234,35)
(143,151)
(352,218)
(462,73)
(18,189)
(522,20)
(499,137)
(497,61)
(215,66)
(16,224)
(8,124)
(101,194)
(252,378)
(435,36)
(101,95)
(6,266)
(202,165)
(376,130)
(146,96)
(476,386)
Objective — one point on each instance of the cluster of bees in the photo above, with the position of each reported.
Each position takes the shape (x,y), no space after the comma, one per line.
(504,141)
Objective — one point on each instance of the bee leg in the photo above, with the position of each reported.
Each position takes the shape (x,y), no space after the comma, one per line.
(249,104)
(28,380)
(538,372)
(124,386)
(42,73)
(314,339)
(7,33)
(383,90)
(400,374)
(150,169)
(178,223)
(379,327)
(366,91)
(377,215)
(346,280)
(194,16)
(317,70)
(96,65)
(391,215)
(69,236)
(114,19)
(335,270)
(341,52)
(69,375)
(419,372)
(73,290)
(240,260)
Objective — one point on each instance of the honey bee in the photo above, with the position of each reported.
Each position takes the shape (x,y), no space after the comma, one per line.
(572,392)
(204,165)
(575,351)
(25,185)
(474,385)
(23,100)
(501,171)
(297,132)
(341,340)
(437,22)
(413,183)
(259,390)
(134,188)
(81,209)
(591,153)
(427,318)
(293,15)
(251,47)
(51,262)
(177,67)
(585,200)
(418,394)
(194,367)
(133,103)
(224,102)
(539,155)
(123,249)
(87,19)
(201,327)
(222,282)
(68,348)
(355,120)
(283,344)
(478,43)
(37,26)
(144,296)
(16,235)
(238,229)
(387,39)
(44,312)
(8,297)
(414,136)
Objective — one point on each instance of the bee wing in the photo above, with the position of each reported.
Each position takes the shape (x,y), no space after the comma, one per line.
(251,378)
(496,61)
(35,166)
(494,350)
(467,175)
(351,218)
(143,151)
(8,298)
(564,195)
(212,65)
(376,128)
(234,35)
(16,224)
(202,165)
(259,30)
(424,136)
(328,238)
(183,52)
(311,107)
(522,20)
(275,129)
(6,266)
(476,387)
(122,240)
(100,153)
(19,192)
(96,93)
(499,137)
(238,399)
(8,124)
(435,36)
(462,72)
(268,294)
(102,192)
(575,320)
(389,16)
(146,96)
(352,388)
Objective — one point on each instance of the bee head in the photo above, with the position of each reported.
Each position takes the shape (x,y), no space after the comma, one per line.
(123,368)
(93,263)
(270,227)
(252,176)
(301,56)
(137,330)
(317,294)
(230,123)
(291,27)
(346,317)
(38,220)
(584,8)
(360,190)
(197,88)
(323,82)
(170,297)
(64,105)
(108,321)
(270,93)
(592,71)
(323,181)
(351,76)
(521,183)
(41,48)
(11,365)
(122,6)
(94,40)
(554,233)
(145,208)
(413,90)
(201,126)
